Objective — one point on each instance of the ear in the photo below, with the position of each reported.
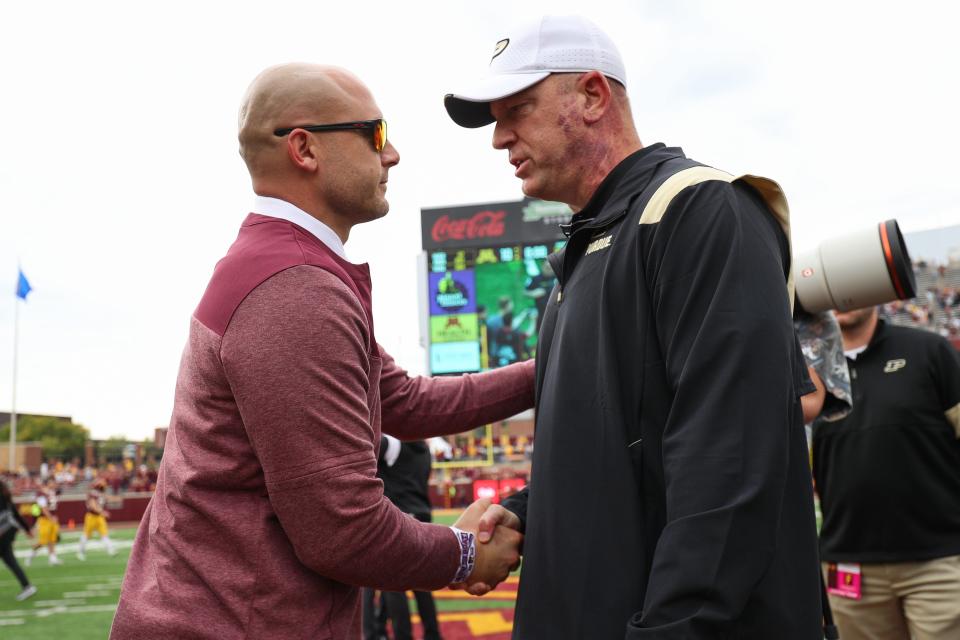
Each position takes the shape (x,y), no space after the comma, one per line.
(597,95)
(301,150)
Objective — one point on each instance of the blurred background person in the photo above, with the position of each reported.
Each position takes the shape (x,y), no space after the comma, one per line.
(95,519)
(538,285)
(48,524)
(506,342)
(10,519)
(404,468)
(888,477)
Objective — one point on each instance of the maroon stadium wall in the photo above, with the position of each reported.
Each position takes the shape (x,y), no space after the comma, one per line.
(127,507)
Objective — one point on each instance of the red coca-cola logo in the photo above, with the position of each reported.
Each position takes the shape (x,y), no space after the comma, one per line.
(483,224)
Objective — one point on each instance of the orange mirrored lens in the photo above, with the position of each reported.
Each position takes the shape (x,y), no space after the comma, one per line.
(380,135)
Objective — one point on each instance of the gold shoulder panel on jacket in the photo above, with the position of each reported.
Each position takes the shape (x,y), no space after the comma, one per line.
(953,417)
(676,183)
(769,190)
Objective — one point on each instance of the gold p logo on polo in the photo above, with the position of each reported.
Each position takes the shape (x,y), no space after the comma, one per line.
(894,365)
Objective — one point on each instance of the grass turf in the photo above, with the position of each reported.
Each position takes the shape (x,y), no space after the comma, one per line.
(77,599)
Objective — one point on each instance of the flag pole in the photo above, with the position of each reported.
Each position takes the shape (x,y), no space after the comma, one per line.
(13,402)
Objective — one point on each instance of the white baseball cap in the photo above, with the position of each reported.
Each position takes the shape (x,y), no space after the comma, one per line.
(530,52)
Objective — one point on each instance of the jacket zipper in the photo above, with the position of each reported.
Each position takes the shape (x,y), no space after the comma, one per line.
(563,268)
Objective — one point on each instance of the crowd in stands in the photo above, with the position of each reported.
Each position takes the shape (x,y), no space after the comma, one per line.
(937,305)
(74,478)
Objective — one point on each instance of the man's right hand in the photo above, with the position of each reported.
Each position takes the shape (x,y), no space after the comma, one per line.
(492,518)
(496,558)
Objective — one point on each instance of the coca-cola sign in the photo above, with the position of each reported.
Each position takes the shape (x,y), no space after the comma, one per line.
(490,224)
(483,224)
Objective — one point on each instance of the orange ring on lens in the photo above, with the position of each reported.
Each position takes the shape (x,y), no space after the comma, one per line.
(888,256)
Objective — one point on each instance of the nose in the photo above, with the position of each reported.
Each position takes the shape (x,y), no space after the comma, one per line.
(503,136)
(389,156)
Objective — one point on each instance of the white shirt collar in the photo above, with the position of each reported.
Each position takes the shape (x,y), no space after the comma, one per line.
(276,208)
(853,353)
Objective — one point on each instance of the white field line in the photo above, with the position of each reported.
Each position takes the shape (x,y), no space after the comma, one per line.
(73,547)
(70,595)
(12,621)
(65,579)
(7,616)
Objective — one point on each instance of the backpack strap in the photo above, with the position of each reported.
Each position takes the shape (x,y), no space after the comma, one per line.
(768,190)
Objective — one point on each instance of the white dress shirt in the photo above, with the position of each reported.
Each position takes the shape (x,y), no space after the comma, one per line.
(276,208)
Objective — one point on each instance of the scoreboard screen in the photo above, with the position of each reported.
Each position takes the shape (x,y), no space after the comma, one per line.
(486,304)
(488,281)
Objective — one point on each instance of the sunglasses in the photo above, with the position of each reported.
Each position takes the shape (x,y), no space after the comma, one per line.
(378,127)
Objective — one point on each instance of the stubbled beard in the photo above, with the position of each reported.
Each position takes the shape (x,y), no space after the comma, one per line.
(855,320)
(345,202)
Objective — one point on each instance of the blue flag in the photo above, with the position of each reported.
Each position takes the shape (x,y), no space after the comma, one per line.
(23,286)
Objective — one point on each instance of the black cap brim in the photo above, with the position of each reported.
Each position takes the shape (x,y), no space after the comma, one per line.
(468,113)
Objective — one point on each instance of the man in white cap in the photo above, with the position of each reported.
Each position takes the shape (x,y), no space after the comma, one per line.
(670,495)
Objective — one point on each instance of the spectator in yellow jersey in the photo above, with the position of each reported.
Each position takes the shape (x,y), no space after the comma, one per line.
(95,519)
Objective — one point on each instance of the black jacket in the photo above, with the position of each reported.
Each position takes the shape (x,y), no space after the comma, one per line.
(888,474)
(681,331)
(14,519)
(407,482)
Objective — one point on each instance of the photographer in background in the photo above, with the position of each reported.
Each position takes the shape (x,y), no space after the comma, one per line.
(888,476)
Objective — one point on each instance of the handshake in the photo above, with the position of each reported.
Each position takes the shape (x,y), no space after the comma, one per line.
(498,545)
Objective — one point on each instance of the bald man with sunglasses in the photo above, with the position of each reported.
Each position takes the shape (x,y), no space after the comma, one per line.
(268,514)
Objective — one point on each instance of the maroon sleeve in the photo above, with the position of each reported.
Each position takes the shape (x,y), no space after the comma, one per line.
(296,357)
(416,408)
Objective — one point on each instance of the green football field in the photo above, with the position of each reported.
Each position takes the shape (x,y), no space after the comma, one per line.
(77,599)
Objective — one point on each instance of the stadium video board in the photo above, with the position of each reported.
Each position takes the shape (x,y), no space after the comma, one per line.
(488,281)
